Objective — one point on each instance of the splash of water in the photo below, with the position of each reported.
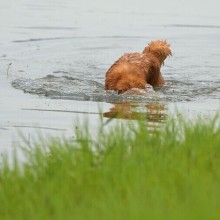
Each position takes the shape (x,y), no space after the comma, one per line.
(66,87)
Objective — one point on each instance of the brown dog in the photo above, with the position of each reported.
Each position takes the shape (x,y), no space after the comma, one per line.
(136,70)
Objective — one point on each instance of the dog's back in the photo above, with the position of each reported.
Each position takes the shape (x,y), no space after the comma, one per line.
(127,73)
(123,76)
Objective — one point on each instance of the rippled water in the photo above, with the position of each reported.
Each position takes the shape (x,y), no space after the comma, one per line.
(66,87)
(62,49)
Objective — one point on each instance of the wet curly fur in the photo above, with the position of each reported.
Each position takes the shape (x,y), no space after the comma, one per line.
(136,70)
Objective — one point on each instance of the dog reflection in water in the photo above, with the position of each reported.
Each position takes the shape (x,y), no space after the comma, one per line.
(152,112)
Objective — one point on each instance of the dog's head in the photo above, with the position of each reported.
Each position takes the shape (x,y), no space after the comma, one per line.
(159,48)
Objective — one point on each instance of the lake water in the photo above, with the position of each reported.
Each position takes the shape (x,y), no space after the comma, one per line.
(58,51)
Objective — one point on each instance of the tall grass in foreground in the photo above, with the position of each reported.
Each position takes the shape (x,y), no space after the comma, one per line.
(125,173)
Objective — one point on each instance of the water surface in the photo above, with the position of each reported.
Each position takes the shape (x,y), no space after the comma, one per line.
(54,56)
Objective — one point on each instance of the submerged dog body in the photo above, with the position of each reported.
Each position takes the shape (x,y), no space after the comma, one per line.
(136,70)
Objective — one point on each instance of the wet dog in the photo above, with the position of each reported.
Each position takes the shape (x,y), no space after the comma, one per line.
(136,70)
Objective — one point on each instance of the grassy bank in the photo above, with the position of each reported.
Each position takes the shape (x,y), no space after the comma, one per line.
(125,173)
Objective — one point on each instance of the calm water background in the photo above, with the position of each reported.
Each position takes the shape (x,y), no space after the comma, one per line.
(75,42)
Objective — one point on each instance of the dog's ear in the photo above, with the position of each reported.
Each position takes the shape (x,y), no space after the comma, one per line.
(160,48)
(166,49)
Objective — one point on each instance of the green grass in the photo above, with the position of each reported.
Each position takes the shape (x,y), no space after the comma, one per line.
(125,173)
